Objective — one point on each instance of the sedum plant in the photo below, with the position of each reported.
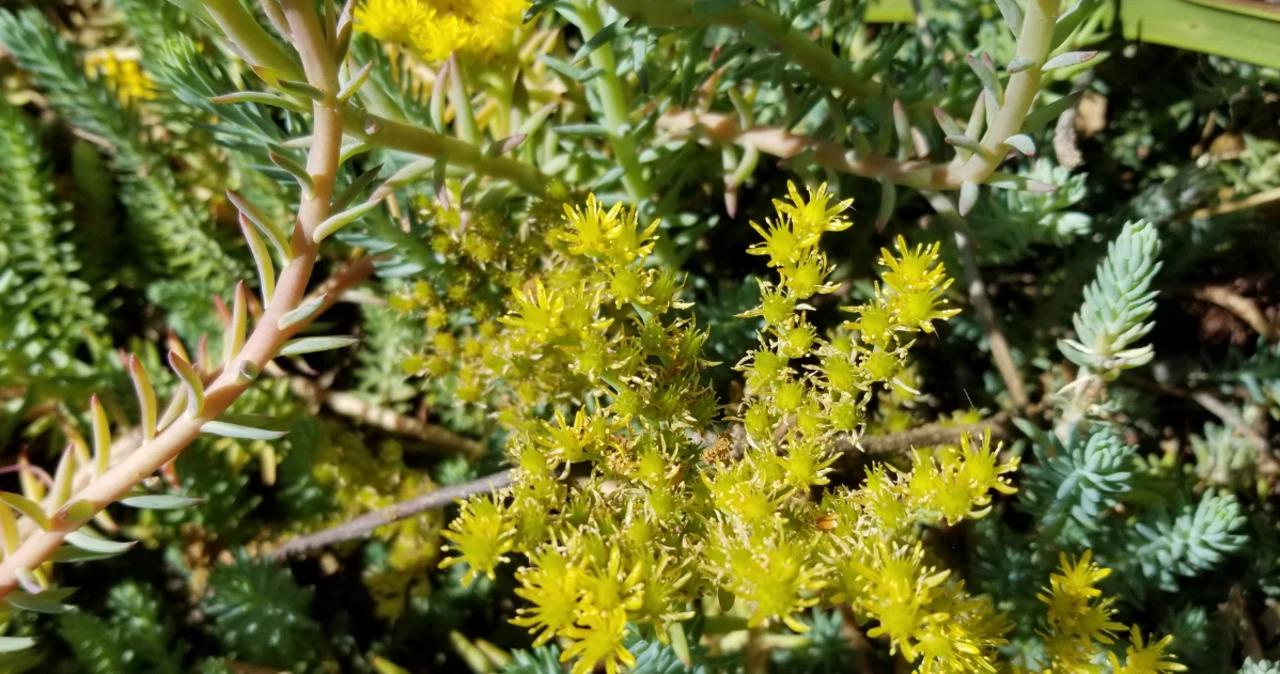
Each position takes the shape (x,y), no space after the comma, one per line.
(612,407)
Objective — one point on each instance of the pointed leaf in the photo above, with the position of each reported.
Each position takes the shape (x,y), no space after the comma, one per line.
(335,222)
(357,80)
(464,116)
(888,202)
(229,430)
(990,83)
(238,328)
(1010,181)
(303,312)
(1042,116)
(262,98)
(9,529)
(1071,19)
(297,347)
(500,147)
(36,603)
(531,125)
(1019,64)
(63,476)
(1022,143)
(301,89)
(968,197)
(79,510)
(159,502)
(102,429)
(68,554)
(1070,58)
(264,224)
(355,188)
(293,168)
(93,543)
(967,143)
(261,260)
(600,39)
(949,126)
(15,644)
(437,104)
(191,382)
(1012,14)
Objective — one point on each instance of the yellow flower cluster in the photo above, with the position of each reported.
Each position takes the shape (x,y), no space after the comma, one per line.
(1079,624)
(483,261)
(660,517)
(123,75)
(360,481)
(434,29)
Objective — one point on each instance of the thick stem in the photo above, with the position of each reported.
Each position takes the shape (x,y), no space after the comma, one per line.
(1035,41)
(262,345)
(613,98)
(394,135)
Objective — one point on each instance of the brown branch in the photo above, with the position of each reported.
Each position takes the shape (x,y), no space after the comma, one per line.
(931,434)
(1251,201)
(364,525)
(350,405)
(1244,308)
(977,292)
(724,129)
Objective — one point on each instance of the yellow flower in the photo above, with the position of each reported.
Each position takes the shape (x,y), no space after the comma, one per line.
(812,217)
(1141,659)
(434,29)
(599,637)
(551,584)
(393,20)
(480,536)
(120,71)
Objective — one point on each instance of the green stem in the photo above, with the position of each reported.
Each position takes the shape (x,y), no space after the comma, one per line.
(393,135)
(613,98)
(818,60)
(1035,41)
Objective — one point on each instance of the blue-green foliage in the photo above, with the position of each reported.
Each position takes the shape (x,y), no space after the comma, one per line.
(1079,483)
(257,611)
(826,649)
(1252,666)
(1186,540)
(1117,305)
(541,660)
(1200,638)
(1010,222)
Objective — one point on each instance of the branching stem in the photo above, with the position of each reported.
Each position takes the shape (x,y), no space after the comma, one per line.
(613,100)
(261,346)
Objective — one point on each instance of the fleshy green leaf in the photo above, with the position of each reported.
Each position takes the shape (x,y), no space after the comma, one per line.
(303,345)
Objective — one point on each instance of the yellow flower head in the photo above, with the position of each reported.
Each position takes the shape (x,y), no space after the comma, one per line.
(599,637)
(1141,659)
(434,29)
(480,536)
(119,69)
